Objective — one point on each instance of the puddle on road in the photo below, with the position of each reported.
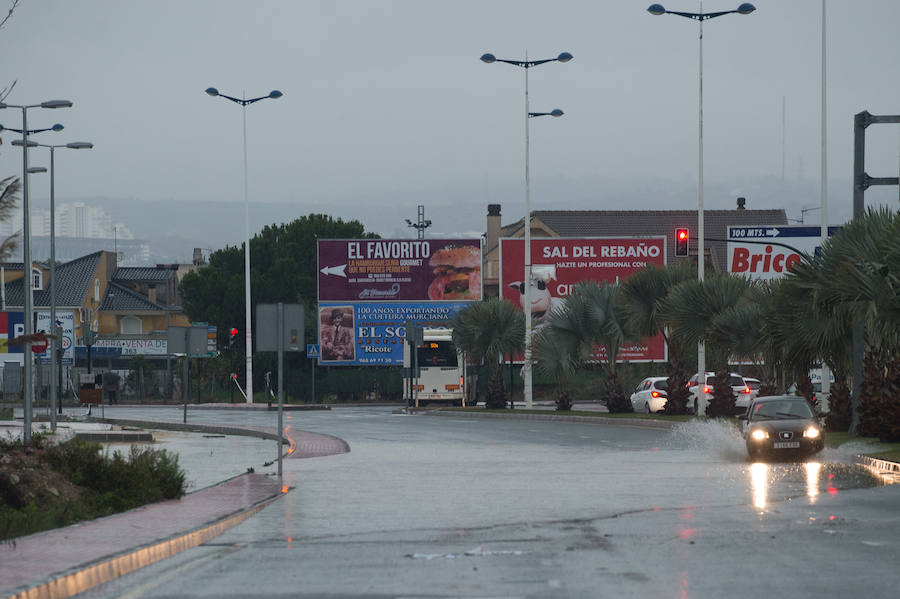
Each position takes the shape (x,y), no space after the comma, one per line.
(827,473)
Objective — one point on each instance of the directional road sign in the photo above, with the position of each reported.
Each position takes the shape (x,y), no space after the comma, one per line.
(769,251)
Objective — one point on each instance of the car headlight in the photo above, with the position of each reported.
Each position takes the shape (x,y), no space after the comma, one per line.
(811,433)
(759,435)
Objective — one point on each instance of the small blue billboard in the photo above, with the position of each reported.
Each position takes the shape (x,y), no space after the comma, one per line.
(372,334)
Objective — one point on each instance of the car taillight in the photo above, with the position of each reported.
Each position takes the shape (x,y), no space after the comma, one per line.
(654,394)
(747,390)
(706,389)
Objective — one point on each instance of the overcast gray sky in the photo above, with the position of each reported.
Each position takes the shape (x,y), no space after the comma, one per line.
(386,102)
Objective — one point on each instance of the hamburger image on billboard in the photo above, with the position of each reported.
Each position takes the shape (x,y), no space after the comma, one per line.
(457,273)
(399,270)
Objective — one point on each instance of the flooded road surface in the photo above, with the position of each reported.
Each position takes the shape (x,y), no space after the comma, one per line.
(465,507)
(828,472)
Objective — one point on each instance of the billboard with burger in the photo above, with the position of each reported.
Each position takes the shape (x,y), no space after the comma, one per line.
(402,270)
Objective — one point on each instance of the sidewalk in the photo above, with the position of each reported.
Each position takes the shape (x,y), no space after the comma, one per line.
(63,562)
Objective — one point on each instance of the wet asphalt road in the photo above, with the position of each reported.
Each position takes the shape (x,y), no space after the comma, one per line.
(427,506)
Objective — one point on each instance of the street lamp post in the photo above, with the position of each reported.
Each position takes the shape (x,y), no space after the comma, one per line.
(744,9)
(27,387)
(274,94)
(54,340)
(527,64)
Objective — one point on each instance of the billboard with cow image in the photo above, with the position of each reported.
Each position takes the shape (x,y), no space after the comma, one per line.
(558,264)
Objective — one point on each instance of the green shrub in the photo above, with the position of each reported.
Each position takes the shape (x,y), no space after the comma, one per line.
(31,518)
(146,475)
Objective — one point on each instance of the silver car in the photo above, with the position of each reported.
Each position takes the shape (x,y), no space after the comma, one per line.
(742,391)
(650,395)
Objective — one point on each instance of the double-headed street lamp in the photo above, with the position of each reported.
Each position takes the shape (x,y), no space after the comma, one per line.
(744,9)
(54,339)
(56,127)
(27,387)
(274,94)
(527,64)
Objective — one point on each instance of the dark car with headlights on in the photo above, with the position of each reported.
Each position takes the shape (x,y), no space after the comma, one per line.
(781,426)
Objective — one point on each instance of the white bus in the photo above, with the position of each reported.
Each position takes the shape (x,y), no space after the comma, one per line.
(441,370)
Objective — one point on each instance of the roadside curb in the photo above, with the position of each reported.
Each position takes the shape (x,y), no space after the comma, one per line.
(79,579)
(302,444)
(890,471)
(190,427)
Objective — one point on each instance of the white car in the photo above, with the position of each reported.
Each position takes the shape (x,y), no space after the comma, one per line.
(743,393)
(754,384)
(650,395)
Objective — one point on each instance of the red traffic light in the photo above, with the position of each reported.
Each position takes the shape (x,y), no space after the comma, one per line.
(681,242)
(234,332)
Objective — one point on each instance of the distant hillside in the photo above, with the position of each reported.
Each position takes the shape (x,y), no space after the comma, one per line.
(174,228)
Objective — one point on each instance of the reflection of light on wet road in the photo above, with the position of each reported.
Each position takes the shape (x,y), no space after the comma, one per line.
(812,479)
(292,446)
(687,516)
(759,475)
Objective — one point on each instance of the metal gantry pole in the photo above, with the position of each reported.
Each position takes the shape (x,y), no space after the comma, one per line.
(861,182)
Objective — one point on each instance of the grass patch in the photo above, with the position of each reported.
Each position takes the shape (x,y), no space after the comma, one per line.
(884,451)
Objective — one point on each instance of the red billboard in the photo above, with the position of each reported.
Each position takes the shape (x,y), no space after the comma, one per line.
(388,270)
(558,264)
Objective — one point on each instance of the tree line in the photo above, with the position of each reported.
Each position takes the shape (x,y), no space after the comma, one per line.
(790,324)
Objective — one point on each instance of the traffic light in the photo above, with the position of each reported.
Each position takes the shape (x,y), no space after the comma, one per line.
(233,333)
(681,242)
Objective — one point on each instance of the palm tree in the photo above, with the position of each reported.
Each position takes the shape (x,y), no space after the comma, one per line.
(597,320)
(9,198)
(707,311)
(486,331)
(558,355)
(855,280)
(644,293)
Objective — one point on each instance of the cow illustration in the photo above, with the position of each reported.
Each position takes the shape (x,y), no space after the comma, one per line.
(542,303)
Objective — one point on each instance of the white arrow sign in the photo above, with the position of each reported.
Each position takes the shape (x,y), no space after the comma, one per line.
(773,232)
(335,270)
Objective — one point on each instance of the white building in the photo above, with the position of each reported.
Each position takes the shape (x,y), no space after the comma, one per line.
(72,220)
